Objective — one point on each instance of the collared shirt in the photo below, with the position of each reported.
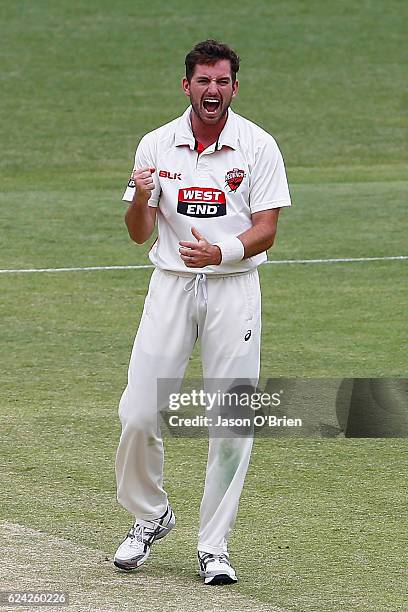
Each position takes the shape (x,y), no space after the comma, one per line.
(216,190)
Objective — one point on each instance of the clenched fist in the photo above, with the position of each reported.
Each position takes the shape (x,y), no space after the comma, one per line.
(143,182)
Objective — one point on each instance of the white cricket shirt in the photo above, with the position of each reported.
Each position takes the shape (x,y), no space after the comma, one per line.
(215,191)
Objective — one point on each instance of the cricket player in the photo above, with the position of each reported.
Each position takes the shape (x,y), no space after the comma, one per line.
(213,183)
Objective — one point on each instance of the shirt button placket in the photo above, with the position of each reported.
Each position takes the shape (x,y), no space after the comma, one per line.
(203,166)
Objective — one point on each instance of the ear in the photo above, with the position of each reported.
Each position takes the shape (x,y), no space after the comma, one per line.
(186,86)
(235,88)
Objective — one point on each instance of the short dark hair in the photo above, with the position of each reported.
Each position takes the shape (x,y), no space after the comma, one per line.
(209,52)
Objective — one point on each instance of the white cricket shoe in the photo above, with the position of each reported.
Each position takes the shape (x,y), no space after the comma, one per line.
(135,548)
(216,569)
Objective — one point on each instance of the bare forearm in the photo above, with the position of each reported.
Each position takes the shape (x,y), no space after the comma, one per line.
(257,239)
(139,220)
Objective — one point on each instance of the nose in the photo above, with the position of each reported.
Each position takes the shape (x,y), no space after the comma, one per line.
(212,87)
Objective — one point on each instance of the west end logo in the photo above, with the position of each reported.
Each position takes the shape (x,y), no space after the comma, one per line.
(201,202)
(234,178)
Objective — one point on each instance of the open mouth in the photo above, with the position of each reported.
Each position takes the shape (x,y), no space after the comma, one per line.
(211,105)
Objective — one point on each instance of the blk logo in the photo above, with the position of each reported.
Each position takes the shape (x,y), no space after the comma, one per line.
(170,175)
(248,335)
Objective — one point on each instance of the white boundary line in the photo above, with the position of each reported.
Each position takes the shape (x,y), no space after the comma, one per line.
(339,260)
(143,267)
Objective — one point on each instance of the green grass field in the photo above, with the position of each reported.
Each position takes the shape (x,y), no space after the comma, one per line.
(322,523)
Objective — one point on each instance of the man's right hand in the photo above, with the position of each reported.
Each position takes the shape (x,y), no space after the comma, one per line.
(140,218)
(143,182)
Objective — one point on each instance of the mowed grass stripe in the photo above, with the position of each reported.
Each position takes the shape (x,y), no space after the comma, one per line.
(36,561)
(49,229)
(278,261)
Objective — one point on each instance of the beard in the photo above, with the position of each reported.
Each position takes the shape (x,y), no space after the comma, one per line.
(206,114)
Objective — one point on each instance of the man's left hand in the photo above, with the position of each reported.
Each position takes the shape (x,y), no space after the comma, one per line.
(199,254)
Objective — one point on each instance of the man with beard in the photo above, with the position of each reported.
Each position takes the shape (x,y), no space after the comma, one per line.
(215,183)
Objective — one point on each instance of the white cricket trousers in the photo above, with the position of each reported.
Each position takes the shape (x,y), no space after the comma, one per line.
(220,311)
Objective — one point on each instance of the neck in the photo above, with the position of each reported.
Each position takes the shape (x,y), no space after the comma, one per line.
(204,133)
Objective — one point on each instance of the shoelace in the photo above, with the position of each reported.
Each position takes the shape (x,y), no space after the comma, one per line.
(208,557)
(136,535)
(137,532)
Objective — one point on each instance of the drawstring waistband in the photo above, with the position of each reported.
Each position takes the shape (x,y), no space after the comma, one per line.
(196,281)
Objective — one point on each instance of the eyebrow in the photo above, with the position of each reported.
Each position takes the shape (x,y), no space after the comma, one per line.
(206,76)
